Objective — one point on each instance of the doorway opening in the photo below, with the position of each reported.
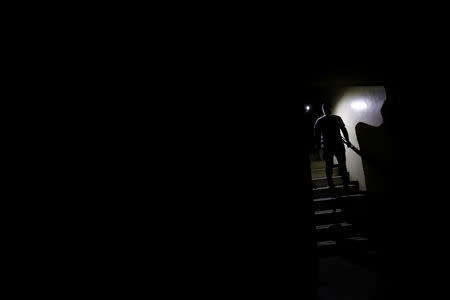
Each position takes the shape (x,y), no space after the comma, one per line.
(346,235)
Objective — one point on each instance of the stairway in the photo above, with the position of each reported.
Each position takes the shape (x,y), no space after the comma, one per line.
(338,229)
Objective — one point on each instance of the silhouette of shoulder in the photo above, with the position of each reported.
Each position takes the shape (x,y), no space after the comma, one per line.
(327,118)
(319,119)
(339,119)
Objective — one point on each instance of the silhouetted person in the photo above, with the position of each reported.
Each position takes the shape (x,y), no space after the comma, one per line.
(327,130)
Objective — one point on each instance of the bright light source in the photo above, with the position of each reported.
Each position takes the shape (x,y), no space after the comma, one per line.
(307,107)
(359,105)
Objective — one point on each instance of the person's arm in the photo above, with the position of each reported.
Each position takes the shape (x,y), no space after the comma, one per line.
(344,131)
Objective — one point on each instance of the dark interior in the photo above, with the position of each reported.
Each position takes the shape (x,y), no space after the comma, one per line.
(370,266)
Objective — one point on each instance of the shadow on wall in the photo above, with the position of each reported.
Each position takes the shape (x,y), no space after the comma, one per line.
(377,154)
(376,146)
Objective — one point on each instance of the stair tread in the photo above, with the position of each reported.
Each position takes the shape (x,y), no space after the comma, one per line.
(323,199)
(353,195)
(336,186)
(327,211)
(358,238)
(326,243)
(323,169)
(326,226)
(324,178)
(333,242)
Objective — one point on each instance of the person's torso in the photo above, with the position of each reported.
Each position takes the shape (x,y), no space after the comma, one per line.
(330,127)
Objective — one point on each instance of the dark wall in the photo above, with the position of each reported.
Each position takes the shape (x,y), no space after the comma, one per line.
(217,198)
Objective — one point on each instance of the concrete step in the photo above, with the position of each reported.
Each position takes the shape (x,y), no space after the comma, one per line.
(322,181)
(350,245)
(323,192)
(354,197)
(325,203)
(320,173)
(340,202)
(356,209)
(328,232)
(325,244)
(328,216)
(350,209)
(320,164)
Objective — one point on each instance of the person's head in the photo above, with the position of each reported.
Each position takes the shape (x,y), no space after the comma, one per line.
(326,108)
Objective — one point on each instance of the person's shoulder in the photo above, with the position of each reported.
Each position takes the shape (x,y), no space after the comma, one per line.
(337,118)
(320,118)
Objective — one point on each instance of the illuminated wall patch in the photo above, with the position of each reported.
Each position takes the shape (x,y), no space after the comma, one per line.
(359,105)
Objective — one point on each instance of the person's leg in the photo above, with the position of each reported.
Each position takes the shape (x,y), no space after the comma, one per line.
(328,157)
(340,156)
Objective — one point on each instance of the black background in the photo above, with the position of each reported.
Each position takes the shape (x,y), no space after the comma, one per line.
(175,166)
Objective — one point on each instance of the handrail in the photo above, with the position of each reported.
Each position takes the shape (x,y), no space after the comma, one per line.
(351,146)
